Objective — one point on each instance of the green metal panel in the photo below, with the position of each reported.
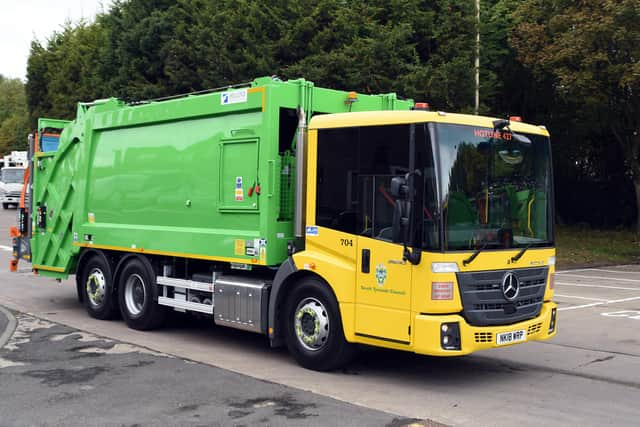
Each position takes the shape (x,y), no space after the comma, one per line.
(238,166)
(162,177)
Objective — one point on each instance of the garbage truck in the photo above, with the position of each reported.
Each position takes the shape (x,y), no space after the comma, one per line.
(323,219)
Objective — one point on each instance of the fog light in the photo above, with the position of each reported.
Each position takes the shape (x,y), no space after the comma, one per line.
(450,336)
(552,323)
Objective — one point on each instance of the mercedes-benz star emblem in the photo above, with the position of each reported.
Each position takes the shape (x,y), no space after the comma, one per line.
(510,286)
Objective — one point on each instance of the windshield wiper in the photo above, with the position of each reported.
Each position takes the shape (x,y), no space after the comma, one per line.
(516,257)
(474,255)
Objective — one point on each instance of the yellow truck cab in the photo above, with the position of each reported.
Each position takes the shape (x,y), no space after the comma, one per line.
(434,230)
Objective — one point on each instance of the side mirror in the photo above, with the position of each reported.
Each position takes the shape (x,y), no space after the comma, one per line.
(399,188)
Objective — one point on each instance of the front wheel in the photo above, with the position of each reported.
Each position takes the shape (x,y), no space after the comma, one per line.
(314,333)
(136,296)
(5,206)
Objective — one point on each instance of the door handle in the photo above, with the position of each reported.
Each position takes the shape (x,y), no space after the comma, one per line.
(366,260)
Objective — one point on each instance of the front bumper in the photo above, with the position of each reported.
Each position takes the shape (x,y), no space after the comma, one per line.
(11,200)
(426,339)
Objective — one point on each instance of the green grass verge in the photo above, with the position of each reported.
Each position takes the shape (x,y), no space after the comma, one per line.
(584,247)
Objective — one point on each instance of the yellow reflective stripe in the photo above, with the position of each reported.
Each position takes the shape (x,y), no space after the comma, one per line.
(47,268)
(253,261)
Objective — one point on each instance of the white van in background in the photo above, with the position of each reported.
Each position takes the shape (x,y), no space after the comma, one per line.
(11,183)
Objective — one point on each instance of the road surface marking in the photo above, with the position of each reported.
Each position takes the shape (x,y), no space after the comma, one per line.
(6,248)
(575,307)
(575,296)
(573,271)
(596,286)
(604,278)
(629,314)
(616,271)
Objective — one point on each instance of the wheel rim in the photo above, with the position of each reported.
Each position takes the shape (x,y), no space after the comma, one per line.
(311,324)
(134,294)
(96,287)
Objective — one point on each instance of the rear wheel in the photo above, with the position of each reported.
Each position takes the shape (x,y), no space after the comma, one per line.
(96,285)
(136,289)
(314,331)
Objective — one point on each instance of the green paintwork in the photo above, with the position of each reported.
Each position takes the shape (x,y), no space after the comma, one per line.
(162,176)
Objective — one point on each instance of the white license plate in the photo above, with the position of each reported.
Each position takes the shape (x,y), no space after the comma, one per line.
(511,337)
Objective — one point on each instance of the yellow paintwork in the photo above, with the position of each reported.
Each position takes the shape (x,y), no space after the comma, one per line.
(383,304)
(264,94)
(378,118)
(426,336)
(48,268)
(399,313)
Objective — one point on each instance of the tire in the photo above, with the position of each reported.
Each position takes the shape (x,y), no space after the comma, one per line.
(313,330)
(96,285)
(5,206)
(137,295)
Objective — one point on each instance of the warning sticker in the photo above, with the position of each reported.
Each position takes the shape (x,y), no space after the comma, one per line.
(239,247)
(239,190)
(235,97)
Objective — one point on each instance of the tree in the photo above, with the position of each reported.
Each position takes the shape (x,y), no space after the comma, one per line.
(14,122)
(592,50)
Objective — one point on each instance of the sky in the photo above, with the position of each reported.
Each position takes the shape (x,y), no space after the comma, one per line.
(22,21)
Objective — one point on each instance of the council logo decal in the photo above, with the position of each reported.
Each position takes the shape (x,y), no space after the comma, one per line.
(381,274)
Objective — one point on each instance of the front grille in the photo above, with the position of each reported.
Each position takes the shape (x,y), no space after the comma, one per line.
(485,304)
(13,194)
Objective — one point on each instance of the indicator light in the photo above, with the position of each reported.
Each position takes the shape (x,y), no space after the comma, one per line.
(441,291)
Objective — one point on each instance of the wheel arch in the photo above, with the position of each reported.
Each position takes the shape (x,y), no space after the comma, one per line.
(286,278)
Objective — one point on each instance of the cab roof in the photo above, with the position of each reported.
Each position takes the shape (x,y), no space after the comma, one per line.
(373,118)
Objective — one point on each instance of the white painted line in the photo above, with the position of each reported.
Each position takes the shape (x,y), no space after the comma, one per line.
(615,301)
(575,307)
(6,248)
(577,297)
(617,271)
(573,271)
(604,278)
(622,300)
(580,285)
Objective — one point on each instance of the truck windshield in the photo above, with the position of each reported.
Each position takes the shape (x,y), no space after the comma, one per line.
(495,188)
(12,176)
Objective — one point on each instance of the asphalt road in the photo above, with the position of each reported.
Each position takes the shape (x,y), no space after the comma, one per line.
(589,374)
(57,375)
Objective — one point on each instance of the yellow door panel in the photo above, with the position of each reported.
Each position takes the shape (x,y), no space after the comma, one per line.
(383,323)
(383,290)
(387,280)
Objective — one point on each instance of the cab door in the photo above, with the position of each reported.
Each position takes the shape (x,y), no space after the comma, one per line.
(355,166)
(383,278)
(383,291)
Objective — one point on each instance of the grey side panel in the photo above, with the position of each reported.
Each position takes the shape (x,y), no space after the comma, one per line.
(286,269)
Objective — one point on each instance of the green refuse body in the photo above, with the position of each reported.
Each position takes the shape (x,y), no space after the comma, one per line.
(208,176)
